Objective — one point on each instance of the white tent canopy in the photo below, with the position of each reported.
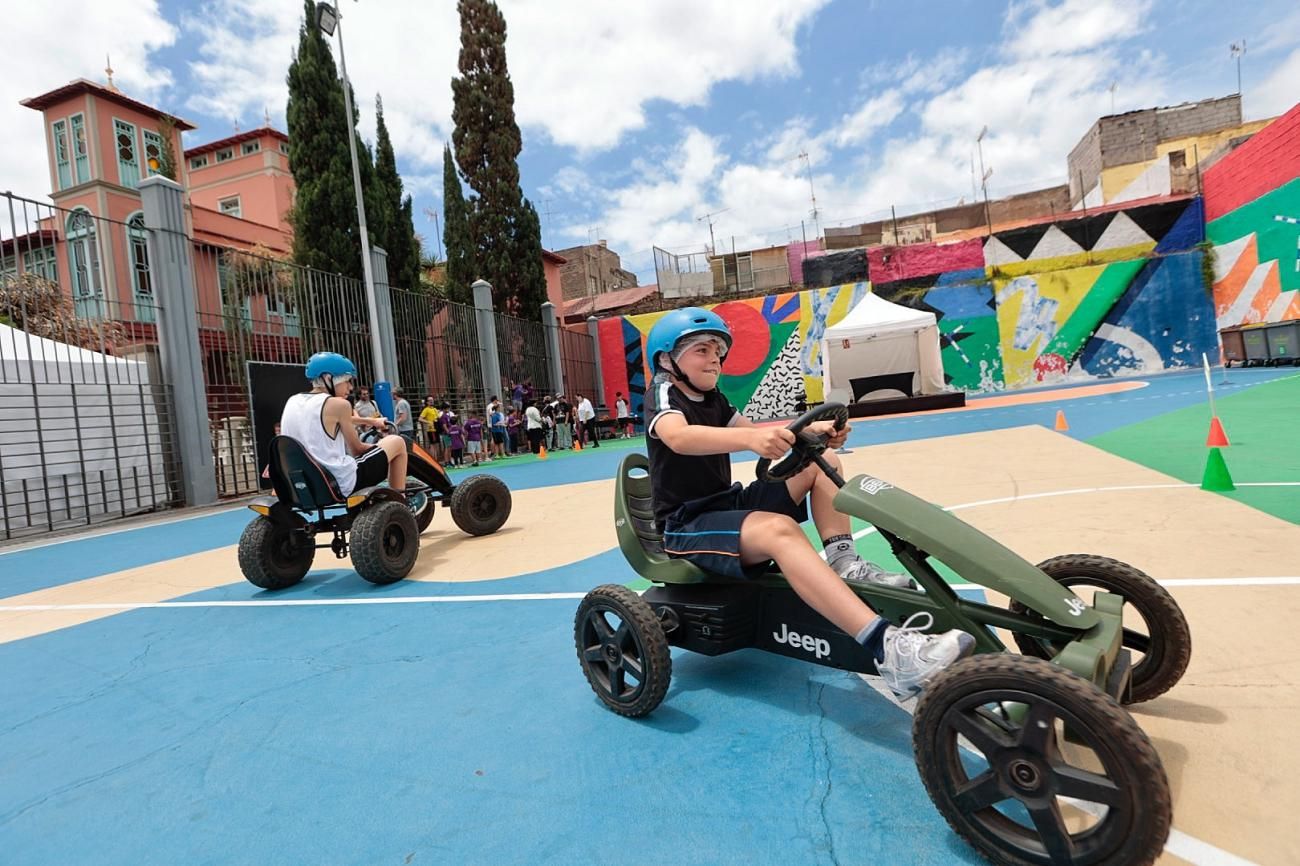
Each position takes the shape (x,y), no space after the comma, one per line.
(81,434)
(881,350)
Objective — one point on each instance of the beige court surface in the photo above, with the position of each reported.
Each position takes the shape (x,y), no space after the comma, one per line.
(1226,733)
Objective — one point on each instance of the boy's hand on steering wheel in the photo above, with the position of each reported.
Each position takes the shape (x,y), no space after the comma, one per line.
(834,438)
(770,442)
(378,423)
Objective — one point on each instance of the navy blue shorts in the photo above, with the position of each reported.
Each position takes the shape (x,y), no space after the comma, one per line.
(706,532)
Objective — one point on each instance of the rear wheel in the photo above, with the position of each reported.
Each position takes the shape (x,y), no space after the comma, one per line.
(623,650)
(274,556)
(480,504)
(990,741)
(385,542)
(1155,629)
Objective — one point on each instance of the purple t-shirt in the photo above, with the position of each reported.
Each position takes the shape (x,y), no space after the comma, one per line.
(474,430)
(457,434)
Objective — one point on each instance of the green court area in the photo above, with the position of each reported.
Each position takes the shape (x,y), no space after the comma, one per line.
(1263,426)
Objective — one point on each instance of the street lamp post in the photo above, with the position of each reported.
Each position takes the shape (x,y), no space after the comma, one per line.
(328,19)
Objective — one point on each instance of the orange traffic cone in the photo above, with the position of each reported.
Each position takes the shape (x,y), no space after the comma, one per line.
(541,452)
(577,445)
(1217,438)
(1061,424)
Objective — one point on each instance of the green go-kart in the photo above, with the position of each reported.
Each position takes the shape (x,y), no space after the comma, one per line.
(1030,757)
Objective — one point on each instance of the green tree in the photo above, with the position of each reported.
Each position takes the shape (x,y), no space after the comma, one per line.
(399,239)
(528,255)
(487,142)
(324,213)
(461,254)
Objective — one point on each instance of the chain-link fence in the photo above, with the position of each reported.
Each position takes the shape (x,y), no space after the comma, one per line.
(86,433)
(522,353)
(438,352)
(254,307)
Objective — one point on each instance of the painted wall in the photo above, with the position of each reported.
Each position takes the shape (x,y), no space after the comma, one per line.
(1121,292)
(1252,200)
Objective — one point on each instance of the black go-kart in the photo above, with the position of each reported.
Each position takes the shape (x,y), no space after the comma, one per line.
(378,526)
(1030,757)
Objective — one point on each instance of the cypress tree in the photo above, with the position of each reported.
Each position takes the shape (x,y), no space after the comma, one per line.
(528,255)
(462,268)
(324,214)
(399,239)
(488,142)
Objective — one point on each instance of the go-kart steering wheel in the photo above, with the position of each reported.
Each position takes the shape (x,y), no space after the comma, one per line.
(807,447)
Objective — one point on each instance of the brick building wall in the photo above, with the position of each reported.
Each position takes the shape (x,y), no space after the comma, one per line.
(1267,161)
(592,269)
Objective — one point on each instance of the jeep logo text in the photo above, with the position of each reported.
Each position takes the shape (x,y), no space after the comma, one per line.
(818,646)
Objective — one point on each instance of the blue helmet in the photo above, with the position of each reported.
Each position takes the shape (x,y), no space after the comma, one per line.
(330,364)
(670,329)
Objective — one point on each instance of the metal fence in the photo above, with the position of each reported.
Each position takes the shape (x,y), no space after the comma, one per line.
(438,353)
(90,430)
(253,306)
(522,353)
(86,433)
(578,363)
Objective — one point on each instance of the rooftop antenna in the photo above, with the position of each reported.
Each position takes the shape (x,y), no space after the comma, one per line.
(430,213)
(1114,85)
(1236,50)
(709,217)
(266,117)
(807,165)
(108,70)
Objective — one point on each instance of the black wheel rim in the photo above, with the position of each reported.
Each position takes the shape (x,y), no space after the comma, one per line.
(483,506)
(613,655)
(286,548)
(1013,785)
(393,541)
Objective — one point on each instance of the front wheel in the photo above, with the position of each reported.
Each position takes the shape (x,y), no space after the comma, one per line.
(1162,640)
(623,650)
(990,741)
(274,556)
(385,542)
(480,504)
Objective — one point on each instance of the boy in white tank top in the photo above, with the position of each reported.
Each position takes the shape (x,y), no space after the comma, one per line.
(322,421)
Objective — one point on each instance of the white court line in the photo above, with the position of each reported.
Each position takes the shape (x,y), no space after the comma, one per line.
(144,523)
(520,596)
(1083,490)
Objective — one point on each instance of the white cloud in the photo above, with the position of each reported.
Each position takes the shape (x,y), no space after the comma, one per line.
(1279,92)
(582,78)
(876,113)
(1037,100)
(42,54)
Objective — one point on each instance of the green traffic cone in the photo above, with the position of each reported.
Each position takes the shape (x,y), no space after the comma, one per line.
(1216,473)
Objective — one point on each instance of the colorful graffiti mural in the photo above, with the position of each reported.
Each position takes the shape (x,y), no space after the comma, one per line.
(1086,295)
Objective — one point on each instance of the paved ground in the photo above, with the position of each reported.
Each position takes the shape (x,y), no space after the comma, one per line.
(171,713)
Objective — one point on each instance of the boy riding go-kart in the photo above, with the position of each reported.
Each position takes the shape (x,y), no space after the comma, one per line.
(328,479)
(1030,758)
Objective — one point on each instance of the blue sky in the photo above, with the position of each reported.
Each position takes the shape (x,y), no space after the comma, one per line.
(641,117)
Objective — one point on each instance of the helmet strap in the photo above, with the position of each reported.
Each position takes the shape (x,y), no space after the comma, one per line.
(682,377)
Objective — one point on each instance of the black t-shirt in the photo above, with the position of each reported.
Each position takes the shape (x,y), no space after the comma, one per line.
(678,478)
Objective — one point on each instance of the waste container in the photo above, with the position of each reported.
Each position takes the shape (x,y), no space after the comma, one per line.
(1284,342)
(1234,347)
(1256,339)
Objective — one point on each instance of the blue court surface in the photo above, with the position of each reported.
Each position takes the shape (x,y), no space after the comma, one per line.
(445,722)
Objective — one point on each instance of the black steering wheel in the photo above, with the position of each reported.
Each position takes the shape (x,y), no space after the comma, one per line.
(370,435)
(807,447)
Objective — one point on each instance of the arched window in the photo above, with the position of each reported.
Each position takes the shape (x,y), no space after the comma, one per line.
(83,259)
(141,280)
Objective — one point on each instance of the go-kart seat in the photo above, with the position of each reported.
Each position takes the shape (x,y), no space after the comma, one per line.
(300,481)
(638,537)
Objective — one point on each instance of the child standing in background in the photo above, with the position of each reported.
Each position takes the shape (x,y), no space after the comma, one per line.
(457,435)
(474,440)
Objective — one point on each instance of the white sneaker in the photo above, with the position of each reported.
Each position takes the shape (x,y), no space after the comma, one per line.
(912,658)
(860,569)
